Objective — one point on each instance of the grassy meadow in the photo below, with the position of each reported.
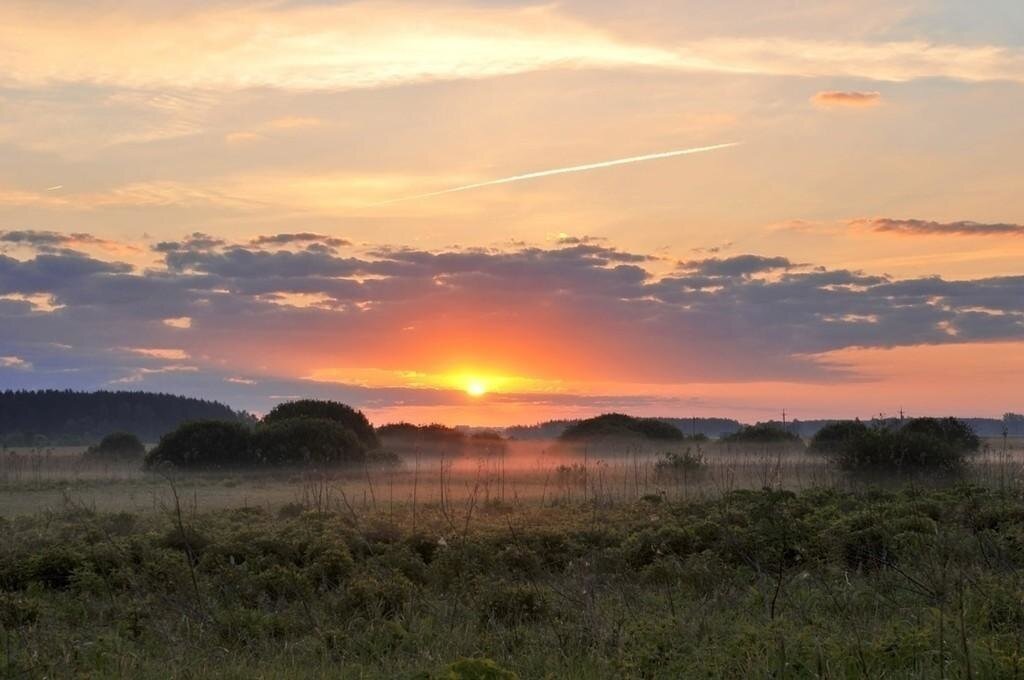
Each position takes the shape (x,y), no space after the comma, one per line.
(540,561)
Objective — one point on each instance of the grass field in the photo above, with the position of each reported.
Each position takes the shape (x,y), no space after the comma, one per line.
(762,563)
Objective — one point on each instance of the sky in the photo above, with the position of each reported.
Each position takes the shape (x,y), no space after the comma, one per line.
(251,202)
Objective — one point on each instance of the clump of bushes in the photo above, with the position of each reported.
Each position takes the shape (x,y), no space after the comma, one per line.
(762,433)
(298,433)
(836,436)
(117,446)
(434,438)
(676,464)
(326,410)
(205,444)
(621,426)
(307,440)
(919,444)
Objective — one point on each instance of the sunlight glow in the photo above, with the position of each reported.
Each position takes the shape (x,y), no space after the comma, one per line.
(476,387)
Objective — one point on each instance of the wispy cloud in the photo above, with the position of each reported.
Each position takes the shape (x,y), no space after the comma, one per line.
(16,363)
(377,44)
(831,99)
(915,227)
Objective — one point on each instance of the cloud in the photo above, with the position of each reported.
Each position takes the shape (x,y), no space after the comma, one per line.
(299,46)
(158,353)
(740,265)
(178,322)
(302,237)
(578,311)
(52,241)
(913,227)
(15,363)
(831,99)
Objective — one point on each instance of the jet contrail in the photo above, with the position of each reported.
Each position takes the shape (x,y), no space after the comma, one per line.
(562,171)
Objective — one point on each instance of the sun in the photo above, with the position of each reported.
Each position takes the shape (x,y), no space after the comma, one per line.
(476,387)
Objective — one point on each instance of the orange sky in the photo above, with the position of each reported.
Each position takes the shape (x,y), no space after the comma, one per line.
(202,198)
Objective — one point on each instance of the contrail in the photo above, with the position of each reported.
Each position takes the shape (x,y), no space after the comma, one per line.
(562,171)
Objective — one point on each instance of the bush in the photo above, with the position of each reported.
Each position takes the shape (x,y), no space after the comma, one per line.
(477,669)
(326,410)
(677,464)
(621,426)
(307,440)
(836,436)
(955,432)
(117,446)
(884,449)
(407,437)
(205,444)
(762,433)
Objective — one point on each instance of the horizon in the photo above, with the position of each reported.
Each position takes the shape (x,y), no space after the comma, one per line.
(504,213)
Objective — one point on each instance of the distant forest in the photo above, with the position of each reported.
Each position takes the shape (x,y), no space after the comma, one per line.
(65,417)
(720,427)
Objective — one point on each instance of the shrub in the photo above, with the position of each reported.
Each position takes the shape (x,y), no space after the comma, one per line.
(512,604)
(117,446)
(326,410)
(884,449)
(205,444)
(408,437)
(307,440)
(477,669)
(762,433)
(676,464)
(955,432)
(621,426)
(835,436)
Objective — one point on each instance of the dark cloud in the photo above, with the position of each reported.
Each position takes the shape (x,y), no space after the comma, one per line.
(301,237)
(748,317)
(740,265)
(197,241)
(931,228)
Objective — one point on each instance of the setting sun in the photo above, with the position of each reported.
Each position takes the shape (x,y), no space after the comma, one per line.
(476,387)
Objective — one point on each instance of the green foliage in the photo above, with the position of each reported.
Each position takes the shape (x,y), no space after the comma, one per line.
(69,417)
(326,410)
(954,432)
(921,444)
(762,433)
(208,444)
(836,436)
(428,439)
(675,464)
(305,441)
(477,669)
(621,426)
(820,583)
(117,446)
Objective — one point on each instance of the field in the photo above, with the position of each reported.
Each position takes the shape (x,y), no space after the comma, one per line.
(761,562)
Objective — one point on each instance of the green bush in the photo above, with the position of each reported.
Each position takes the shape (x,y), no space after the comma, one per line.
(117,446)
(836,436)
(621,426)
(477,669)
(675,464)
(951,430)
(326,410)
(762,433)
(205,444)
(881,449)
(307,441)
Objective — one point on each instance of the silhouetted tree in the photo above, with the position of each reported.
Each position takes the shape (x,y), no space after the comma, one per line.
(307,440)
(208,444)
(326,410)
(117,446)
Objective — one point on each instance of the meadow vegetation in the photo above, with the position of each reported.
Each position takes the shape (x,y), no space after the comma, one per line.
(478,557)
